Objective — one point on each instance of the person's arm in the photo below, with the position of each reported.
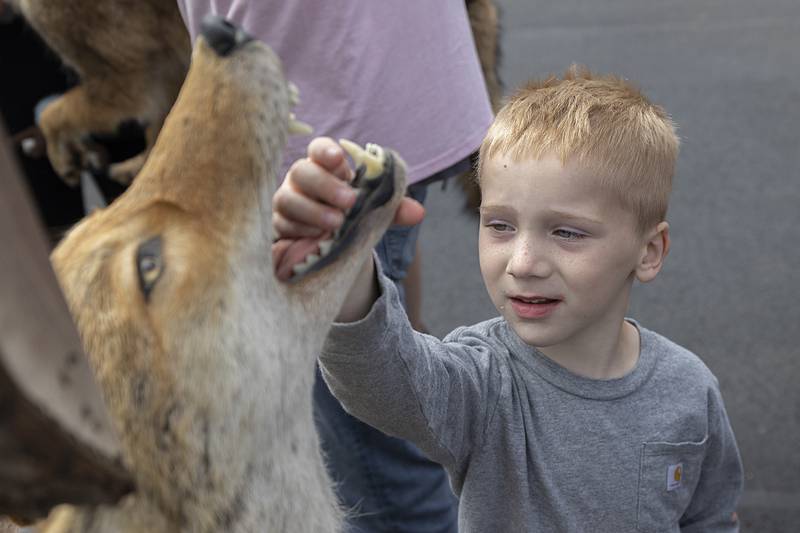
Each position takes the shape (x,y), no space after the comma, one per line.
(713,506)
(361,296)
(440,394)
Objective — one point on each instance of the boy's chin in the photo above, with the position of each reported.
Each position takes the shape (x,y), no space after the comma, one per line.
(536,335)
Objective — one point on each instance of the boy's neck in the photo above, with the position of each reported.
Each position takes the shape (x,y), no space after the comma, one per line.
(600,356)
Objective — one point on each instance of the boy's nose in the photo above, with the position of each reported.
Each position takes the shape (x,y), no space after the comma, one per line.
(528,260)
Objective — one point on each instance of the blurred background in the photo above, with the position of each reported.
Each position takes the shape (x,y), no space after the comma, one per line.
(728,71)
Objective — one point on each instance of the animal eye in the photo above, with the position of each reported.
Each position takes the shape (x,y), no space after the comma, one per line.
(568,235)
(149,265)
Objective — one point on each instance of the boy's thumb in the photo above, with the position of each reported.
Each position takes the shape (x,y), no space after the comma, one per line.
(409,213)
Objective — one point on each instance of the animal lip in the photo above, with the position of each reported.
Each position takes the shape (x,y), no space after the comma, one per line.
(374,181)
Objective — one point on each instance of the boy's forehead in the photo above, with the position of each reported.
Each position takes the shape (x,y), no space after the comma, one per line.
(504,167)
(546,182)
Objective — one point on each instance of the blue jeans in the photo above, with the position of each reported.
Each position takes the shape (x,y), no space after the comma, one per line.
(387,483)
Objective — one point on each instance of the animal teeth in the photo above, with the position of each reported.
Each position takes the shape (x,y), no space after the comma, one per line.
(294,94)
(325,247)
(297,127)
(300,268)
(372,160)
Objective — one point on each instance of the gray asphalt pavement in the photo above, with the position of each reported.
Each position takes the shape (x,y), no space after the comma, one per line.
(729,73)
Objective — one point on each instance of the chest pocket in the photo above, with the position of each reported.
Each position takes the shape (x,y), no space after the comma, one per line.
(668,476)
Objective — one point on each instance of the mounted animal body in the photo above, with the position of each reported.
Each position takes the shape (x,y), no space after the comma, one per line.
(131,58)
(205,360)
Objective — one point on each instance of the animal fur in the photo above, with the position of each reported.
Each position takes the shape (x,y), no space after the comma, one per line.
(484,20)
(131,57)
(206,361)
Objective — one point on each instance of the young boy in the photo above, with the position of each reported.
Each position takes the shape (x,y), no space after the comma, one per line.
(561,414)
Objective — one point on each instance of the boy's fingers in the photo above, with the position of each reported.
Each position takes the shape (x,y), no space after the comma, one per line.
(287,229)
(409,213)
(310,179)
(300,210)
(327,153)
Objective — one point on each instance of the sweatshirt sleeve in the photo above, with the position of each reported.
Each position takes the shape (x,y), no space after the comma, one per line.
(437,393)
(713,506)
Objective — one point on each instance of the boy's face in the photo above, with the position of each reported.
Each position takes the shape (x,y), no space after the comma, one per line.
(558,253)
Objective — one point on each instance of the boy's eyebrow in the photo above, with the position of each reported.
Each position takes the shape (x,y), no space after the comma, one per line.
(572,216)
(503,209)
(496,208)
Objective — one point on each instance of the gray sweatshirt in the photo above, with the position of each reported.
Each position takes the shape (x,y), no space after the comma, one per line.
(530,446)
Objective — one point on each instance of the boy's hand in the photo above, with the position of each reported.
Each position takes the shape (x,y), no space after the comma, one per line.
(311,202)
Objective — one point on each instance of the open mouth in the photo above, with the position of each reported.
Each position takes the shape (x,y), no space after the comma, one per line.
(535,301)
(374,181)
(534,307)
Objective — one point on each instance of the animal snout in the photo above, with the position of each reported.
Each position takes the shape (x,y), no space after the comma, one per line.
(223,36)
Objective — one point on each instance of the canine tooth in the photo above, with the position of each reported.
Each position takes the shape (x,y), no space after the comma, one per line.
(372,162)
(325,246)
(300,268)
(297,127)
(294,94)
(311,259)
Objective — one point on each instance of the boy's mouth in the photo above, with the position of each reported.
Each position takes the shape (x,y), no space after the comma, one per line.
(533,306)
(534,299)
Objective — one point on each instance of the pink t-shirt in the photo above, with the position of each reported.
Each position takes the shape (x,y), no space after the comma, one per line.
(400,73)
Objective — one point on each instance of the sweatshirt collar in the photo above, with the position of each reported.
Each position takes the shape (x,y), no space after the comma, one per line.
(595,389)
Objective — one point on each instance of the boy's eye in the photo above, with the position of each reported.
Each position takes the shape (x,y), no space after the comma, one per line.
(568,235)
(499,227)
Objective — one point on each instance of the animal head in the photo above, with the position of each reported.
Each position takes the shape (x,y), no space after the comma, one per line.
(204,358)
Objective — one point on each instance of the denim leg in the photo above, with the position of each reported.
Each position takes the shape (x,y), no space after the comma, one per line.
(387,483)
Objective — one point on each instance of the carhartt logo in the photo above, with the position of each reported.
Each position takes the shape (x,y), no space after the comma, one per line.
(674,476)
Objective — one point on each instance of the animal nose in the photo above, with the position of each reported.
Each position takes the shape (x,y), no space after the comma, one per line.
(223,36)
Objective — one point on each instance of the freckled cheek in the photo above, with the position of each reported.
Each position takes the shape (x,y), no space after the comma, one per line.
(492,259)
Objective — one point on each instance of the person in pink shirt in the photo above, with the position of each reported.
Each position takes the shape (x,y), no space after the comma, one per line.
(403,74)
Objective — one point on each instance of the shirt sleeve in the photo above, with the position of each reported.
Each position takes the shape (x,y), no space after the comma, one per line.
(713,506)
(437,393)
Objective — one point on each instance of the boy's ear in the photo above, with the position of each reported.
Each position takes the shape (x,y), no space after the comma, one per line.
(656,248)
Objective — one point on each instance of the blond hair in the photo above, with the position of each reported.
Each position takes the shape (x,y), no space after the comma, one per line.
(602,122)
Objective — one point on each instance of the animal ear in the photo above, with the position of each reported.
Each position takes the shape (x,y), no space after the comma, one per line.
(654,251)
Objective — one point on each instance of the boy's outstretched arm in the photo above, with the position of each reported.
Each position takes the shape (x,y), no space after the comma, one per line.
(310,205)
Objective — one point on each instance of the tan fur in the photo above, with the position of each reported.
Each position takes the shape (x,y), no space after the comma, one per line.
(208,380)
(131,57)
(484,21)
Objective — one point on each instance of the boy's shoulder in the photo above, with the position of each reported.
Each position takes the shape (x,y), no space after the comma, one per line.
(675,362)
